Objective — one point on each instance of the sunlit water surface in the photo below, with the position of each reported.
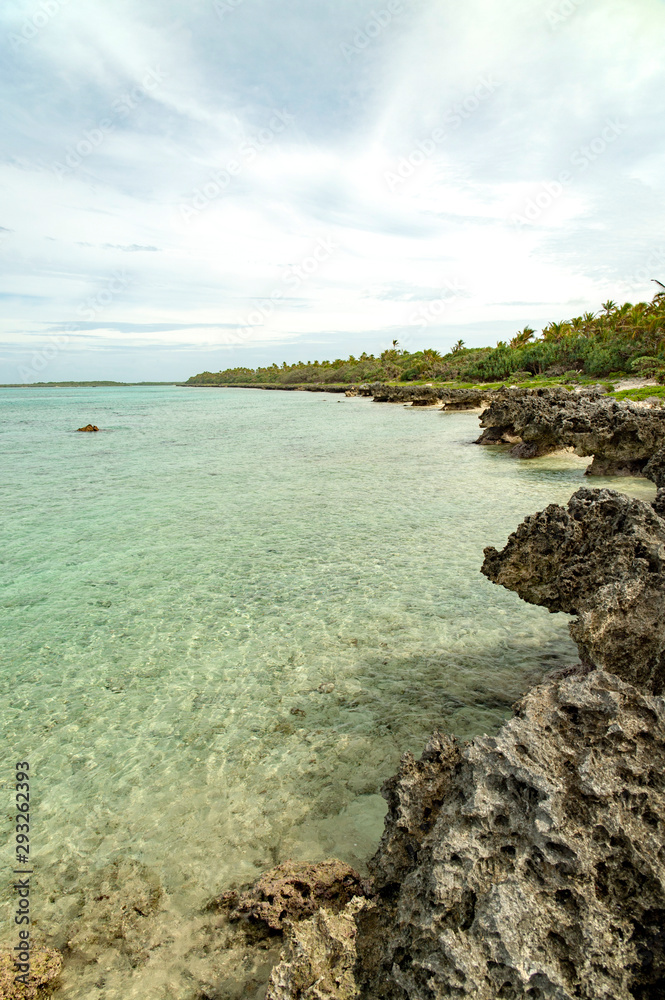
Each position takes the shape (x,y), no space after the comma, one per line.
(227,616)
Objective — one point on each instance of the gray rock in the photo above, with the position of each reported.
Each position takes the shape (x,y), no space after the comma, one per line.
(602,559)
(622,436)
(542,873)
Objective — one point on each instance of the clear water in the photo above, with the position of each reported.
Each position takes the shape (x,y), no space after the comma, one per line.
(177,589)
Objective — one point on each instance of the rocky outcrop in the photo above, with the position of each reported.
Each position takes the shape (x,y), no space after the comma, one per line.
(319,957)
(621,436)
(428,395)
(543,872)
(292,892)
(655,469)
(88,427)
(531,864)
(602,559)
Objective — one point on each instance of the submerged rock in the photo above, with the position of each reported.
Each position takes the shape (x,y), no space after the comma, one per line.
(293,891)
(602,559)
(621,436)
(45,966)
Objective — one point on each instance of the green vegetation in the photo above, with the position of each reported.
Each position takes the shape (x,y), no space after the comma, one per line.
(619,341)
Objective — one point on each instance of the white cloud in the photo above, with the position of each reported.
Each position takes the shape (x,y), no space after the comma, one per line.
(478,110)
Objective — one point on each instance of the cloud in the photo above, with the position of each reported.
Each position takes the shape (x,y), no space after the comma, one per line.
(427,140)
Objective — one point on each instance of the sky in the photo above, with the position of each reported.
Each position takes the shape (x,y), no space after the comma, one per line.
(191,185)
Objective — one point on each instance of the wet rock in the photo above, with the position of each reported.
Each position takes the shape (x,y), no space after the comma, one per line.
(655,468)
(88,427)
(318,960)
(293,892)
(45,966)
(542,873)
(622,436)
(603,559)
(428,395)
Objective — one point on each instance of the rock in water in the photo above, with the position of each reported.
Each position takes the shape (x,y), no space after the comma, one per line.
(542,871)
(319,958)
(88,427)
(531,865)
(603,559)
(293,891)
(622,436)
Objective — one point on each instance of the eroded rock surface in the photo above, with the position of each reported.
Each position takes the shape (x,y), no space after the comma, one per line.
(603,559)
(543,872)
(292,892)
(45,966)
(620,435)
(532,864)
(319,957)
(428,395)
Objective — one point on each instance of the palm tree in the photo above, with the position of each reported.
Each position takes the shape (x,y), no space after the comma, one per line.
(431,355)
(555,331)
(459,346)
(609,306)
(523,337)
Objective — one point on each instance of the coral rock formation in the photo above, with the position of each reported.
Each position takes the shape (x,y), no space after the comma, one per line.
(530,865)
(602,559)
(88,427)
(293,892)
(428,395)
(319,958)
(621,436)
(45,965)
(543,873)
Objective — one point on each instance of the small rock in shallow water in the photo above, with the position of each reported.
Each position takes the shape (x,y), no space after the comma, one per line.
(88,427)
(294,892)
(326,688)
(45,965)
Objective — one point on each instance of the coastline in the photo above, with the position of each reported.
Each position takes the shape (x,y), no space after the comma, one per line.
(134,886)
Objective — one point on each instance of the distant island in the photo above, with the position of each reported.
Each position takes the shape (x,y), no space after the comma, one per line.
(616,343)
(72,385)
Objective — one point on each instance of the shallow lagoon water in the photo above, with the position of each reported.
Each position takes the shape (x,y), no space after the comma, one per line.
(181,591)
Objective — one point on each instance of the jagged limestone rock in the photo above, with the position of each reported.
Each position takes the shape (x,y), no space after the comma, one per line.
(655,468)
(602,559)
(428,395)
(293,891)
(620,435)
(542,875)
(318,960)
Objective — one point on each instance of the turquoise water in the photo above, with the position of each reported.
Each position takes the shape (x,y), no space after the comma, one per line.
(226,617)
